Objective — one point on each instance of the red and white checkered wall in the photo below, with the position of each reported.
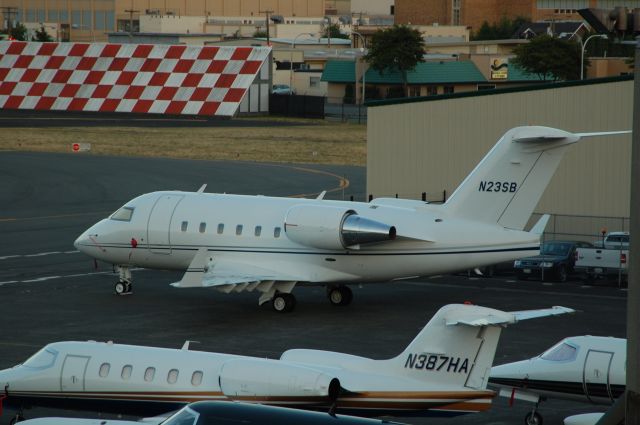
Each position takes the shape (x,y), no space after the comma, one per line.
(157,79)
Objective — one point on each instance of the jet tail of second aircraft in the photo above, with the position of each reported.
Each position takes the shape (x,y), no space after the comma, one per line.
(456,348)
(507,184)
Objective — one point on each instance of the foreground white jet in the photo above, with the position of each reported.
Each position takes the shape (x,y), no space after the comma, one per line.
(443,371)
(236,243)
(582,368)
(225,413)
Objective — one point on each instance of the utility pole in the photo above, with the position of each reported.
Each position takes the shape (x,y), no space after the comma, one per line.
(7,11)
(268,14)
(131,11)
(633,302)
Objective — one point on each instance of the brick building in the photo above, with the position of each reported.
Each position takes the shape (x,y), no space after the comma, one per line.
(472,13)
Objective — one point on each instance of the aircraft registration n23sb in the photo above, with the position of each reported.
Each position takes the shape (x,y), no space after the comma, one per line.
(242,243)
(443,371)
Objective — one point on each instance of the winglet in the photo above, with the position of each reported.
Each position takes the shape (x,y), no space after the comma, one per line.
(539,227)
(321,195)
(202,188)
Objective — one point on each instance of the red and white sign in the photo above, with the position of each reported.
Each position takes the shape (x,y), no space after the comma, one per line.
(137,78)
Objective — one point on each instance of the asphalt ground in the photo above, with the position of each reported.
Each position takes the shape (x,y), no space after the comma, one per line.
(49,292)
(24,118)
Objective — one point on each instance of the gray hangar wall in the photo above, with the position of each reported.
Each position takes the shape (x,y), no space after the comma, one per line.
(430,145)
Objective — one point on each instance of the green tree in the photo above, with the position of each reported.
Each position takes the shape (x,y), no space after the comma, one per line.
(501,30)
(260,34)
(333,31)
(19,32)
(42,35)
(549,58)
(398,48)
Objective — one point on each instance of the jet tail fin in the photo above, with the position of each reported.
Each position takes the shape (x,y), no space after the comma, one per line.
(507,184)
(457,347)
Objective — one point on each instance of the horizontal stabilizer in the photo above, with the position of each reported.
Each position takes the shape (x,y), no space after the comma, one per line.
(490,317)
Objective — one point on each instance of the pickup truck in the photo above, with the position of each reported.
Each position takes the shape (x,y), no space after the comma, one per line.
(555,261)
(601,262)
(614,240)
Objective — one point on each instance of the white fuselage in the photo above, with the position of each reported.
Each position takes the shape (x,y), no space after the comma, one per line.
(146,380)
(170,227)
(584,368)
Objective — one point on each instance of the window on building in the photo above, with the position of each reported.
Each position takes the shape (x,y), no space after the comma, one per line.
(314,82)
(172,376)
(455,16)
(561,6)
(149,374)
(196,378)
(448,89)
(99,20)
(392,10)
(104,370)
(184,226)
(203,227)
(414,91)
(432,90)
(239,229)
(220,228)
(52,15)
(276,232)
(126,372)
(258,231)
(86,20)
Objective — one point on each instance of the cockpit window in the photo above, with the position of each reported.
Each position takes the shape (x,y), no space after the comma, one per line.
(123,214)
(562,352)
(42,359)
(186,416)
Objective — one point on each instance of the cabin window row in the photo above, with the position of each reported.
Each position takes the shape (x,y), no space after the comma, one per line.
(257,231)
(150,374)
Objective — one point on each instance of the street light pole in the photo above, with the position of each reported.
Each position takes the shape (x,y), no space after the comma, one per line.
(584,46)
(364,71)
(291,60)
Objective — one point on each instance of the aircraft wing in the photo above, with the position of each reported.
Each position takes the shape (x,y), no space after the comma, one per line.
(229,275)
(224,272)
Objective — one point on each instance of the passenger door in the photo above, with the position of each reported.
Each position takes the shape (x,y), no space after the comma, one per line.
(73,372)
(158,226)
(596,375)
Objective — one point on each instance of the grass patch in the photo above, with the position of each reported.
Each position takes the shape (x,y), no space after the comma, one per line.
(311,142)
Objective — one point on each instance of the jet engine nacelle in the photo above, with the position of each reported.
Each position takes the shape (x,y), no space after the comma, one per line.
(271,378)
(328,227)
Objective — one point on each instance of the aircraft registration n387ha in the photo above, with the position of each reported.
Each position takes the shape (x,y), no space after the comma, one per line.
(443,371)
(243,243)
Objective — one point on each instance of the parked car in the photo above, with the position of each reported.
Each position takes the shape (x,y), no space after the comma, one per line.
(282,89)
(614,240)
(556,261)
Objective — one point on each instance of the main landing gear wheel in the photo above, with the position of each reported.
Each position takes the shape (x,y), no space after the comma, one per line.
(340,295)
(533,418)
(284,303)
(123,288)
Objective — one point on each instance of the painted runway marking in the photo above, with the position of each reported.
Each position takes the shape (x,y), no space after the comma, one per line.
(39,254)
(68,276)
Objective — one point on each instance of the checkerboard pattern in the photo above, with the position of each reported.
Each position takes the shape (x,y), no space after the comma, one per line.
(155,79)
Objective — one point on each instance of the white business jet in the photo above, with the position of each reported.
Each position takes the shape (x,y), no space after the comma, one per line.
(243,243)
(225,413)
(443,371)
(582,368)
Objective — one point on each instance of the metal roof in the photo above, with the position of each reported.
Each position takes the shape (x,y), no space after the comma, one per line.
(424,73)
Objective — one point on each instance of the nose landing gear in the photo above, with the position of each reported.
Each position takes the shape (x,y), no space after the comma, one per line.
(124,285)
